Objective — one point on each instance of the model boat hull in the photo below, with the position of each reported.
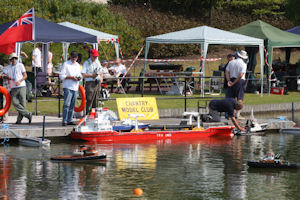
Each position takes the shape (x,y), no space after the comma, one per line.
(257,164)
(293,130)
(113,136)
(34,142)
(93,158)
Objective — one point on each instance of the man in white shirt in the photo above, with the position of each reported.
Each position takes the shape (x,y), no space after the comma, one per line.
(235,75)
(37,59)
(70,75)
(17,75)
(119,70)
(93,76)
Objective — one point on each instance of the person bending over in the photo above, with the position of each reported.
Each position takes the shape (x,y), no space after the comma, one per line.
(227,105)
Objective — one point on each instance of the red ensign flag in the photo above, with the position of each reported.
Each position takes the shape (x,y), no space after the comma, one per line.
(20,30)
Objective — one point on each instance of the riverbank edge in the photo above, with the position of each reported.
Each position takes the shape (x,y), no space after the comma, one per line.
(261,108)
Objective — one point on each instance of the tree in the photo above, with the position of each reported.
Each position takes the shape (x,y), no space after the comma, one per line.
(292,10)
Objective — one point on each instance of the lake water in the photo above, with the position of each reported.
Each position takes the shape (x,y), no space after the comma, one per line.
(211,168)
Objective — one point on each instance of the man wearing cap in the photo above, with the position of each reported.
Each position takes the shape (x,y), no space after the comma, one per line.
(70,75)
(17,75)
(92,74)
(235,75)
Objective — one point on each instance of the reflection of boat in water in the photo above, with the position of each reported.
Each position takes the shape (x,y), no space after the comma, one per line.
(84,154)
(101,129)
(292,130)
(271,161)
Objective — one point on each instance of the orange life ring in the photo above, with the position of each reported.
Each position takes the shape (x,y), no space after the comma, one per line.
(5,92)
(83,100)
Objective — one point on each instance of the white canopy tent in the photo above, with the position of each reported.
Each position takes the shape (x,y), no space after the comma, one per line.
(205,36)
(101,36)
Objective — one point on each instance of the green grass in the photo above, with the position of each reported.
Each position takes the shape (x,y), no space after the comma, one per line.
(51,107)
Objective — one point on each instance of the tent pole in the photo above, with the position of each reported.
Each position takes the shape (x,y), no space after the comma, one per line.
(35,96)
(145,64)
(117,49)
(261,53)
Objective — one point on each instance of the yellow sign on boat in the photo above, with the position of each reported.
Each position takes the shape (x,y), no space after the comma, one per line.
(145,106)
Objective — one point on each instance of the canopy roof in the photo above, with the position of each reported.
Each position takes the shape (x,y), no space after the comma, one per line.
(295,30)
(46,31)
(101,36)
(204,34)
(274,36)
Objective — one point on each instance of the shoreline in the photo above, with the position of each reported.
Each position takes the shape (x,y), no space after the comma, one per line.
(261,108)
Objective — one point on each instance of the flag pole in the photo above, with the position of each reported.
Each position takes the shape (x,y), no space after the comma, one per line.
(33,25)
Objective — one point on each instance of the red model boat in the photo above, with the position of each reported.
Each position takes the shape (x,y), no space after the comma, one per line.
(101,128)
(84,154)
(106,136)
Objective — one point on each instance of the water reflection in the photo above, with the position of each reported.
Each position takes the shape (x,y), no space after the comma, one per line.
(211,168)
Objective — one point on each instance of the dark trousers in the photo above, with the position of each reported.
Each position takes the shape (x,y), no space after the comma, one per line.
(38,69)
(237,91)
(216,117)
(91,89)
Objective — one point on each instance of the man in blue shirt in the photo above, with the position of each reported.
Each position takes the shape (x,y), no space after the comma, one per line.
(227,105)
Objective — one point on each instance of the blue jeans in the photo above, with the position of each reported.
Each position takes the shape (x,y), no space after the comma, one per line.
(70,97)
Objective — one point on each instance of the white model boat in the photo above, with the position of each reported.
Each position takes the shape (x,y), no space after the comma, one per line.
(100,120)
(252,126)
(34,142)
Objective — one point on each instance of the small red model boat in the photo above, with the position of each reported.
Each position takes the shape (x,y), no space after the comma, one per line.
(114,136)
(84,154)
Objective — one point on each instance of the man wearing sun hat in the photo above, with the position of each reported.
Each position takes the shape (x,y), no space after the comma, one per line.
(17,75)
(92,74)
(235,75)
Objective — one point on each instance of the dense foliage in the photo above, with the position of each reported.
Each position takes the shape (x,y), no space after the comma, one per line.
(95,16)
(293,7)
(134,20)
(194,7)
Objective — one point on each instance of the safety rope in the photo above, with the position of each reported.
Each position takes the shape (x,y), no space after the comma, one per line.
(267,63)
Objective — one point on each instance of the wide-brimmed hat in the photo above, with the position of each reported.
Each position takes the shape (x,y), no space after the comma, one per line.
(13,55)
(94,52)
(242,54)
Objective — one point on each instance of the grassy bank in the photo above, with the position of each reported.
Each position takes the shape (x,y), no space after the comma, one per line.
(51,107)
